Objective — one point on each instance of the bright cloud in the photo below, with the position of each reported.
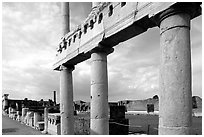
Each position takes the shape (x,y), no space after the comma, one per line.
(31,32)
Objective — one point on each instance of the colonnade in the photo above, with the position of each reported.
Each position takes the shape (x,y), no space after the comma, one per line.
(175,109)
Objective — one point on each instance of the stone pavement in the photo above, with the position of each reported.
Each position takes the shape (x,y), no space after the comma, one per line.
(12,127)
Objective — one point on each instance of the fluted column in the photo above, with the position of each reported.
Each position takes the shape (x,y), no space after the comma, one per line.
(175,102)
(66,100)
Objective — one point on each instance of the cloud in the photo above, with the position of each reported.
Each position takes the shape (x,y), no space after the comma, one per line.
(133,67)
(31,32)
(30,35)
(28,49)
(79,12)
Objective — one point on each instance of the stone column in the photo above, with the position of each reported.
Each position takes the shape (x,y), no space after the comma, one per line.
(9,111)
(45,131)
(29,117)
(65,17)
(13,113)
(36,118)
(66,100)
(99,92)
(5,103)
(18,115)
(175,102)
(24,112)
(66,87)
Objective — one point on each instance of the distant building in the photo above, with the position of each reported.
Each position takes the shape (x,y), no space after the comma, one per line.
(139,105)
(19,104)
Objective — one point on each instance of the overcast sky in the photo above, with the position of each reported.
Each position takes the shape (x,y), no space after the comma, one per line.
(30,34)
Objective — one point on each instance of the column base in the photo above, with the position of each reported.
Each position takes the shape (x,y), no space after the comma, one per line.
(99,127)
(44,132)
(174,130)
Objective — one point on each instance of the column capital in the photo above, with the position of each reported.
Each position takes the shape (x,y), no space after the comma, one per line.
(101,48)
(63,67)
(191,8)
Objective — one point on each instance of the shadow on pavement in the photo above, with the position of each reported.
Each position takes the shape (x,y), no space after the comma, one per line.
(7,130)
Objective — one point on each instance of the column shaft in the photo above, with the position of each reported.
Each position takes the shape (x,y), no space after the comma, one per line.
(36,118)
(24,111)
(65,17)
(66,101)
(175,102)
(45,120)
(99,94)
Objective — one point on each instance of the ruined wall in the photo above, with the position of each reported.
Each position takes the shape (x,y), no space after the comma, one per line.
(141,105)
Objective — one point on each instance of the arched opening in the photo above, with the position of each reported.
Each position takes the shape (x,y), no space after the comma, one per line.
(91,24)
(110,10)
(100,18)
(80,33)
(85,28)
(70,41)
(74,38)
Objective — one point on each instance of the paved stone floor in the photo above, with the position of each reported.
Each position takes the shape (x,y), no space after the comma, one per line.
(12,127)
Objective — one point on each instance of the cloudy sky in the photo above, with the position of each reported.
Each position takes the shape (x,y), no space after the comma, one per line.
(30,34)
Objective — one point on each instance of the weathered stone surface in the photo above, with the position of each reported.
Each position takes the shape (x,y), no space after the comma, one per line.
(124,23)
(65,17)
(66,101)
(36,118)
(174,130)
(140,105)
(24,112)
(82,126)
(99,94)
(45,120)
(54,126)
(99,126)
(175,109)
(111,23)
